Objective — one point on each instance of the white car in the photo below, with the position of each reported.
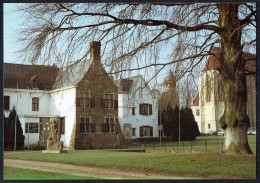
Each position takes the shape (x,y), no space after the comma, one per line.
(220,133)
(253,132)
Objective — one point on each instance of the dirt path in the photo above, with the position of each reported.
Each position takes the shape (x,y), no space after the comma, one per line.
(85,170)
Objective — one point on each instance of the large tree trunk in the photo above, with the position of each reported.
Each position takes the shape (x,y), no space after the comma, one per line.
(235,120)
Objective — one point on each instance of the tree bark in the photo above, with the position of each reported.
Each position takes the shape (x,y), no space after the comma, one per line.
(235,120)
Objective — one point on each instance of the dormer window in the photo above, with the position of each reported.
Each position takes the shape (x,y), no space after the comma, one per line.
(33,82)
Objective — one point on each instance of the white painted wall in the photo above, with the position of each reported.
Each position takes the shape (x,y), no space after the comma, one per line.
(197,118)
(22,100)
(51,104)
(62,103)
(133,98)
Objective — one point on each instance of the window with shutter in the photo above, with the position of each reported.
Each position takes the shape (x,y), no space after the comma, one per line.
(150,109)
(140,108)
(151,131)
(146,131)
(141,131)
(115,104)
(108,101)
(83,99)
(109,125)
(85,125)
(145,109)
(133,131)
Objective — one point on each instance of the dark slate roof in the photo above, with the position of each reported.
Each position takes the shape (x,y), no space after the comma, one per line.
(23,76)
(124,85)
(47,77)
(213,63)
(72,74)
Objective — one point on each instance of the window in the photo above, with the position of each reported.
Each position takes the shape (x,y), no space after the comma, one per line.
(197,112)
(133,110)
(33,127)
(83,99)
(208,126)
(109,125)
(86,126)
(6,102)
(145,109)
(133,131)
(146,131)
(35,104)
(109,101)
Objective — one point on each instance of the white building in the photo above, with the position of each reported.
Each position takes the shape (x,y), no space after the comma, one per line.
(208,106)
(137,108)
(84,102)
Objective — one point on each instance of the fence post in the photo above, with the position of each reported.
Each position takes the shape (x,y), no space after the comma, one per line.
(206,146)
(177,147)
(217,144)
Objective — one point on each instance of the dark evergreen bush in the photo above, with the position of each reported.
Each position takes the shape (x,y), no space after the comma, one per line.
(170,121)
(11,131)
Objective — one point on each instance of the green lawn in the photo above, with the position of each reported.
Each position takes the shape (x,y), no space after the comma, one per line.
(193,164)
(11,173)
(202,144)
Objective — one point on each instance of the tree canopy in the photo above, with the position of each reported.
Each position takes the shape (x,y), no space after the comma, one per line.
(136,36)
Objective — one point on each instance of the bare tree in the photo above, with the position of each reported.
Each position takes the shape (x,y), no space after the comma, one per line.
(131,31)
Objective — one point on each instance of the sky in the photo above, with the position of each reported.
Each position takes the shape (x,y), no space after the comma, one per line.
(11,22)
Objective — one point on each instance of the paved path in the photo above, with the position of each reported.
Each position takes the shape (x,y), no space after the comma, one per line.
(85,170)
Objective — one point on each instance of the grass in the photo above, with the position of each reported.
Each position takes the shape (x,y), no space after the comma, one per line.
(203,144)
(193,165)
(11,173)
(212,165)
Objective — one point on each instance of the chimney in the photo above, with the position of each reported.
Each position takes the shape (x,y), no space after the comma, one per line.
(95,51)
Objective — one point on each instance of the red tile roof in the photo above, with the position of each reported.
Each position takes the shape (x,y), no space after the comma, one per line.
(196,101)
(213,63)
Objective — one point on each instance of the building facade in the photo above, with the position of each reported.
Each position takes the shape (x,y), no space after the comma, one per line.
(208,106)
(137,108)
(81,96)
